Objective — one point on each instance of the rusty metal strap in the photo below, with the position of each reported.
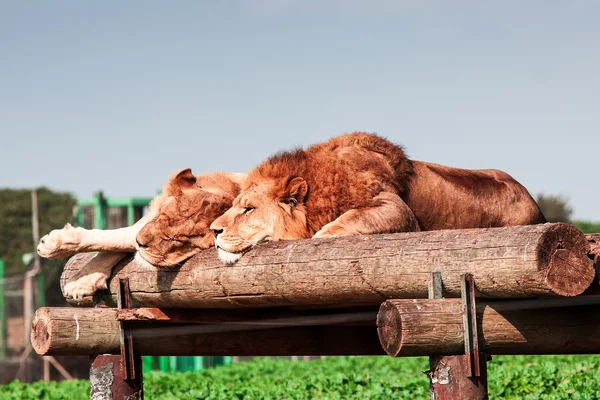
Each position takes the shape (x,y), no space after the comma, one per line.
(126,339)
(469,315)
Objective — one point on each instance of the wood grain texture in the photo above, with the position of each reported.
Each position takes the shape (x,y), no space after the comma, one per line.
(434,326)
(511,262)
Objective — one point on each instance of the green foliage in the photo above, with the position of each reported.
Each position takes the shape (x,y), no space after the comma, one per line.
(587,226)
(510,377)
(555,208)
(55,209)
(66,390)
(550,377)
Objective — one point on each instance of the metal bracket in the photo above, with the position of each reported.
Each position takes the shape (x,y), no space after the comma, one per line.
(469,314)
(126,339)
(435,287)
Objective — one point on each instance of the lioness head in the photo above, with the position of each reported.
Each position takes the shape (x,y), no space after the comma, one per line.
(268,210)
(182,217)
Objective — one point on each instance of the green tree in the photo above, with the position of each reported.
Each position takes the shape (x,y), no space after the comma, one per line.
(555,208)
(55,209)
(587,226)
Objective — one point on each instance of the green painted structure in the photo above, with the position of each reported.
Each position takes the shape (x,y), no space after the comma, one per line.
(3,319)
(101,205)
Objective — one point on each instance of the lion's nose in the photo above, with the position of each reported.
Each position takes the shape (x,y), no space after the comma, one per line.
(216,227)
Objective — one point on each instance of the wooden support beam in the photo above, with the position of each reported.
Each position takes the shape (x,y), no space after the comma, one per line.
(363,316)
(107,379)
(423,327)
(523,261)
(87,331)
(449,381)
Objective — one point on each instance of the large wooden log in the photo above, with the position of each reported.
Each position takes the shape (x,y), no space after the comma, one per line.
(524,261)
(594,241)
(422,327)
(88,331)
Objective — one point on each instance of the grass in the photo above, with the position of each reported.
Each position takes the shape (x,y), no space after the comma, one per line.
(510,377)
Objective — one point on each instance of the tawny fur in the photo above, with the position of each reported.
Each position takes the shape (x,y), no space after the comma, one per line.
(176,228)
(361,183)
(352,184)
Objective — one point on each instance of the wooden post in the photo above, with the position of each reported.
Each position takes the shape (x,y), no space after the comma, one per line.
(25,366)
(107,379)
(449,379)
(37,270)
(512,262)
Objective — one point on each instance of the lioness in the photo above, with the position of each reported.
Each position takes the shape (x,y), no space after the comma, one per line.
(176,228)
(360,183)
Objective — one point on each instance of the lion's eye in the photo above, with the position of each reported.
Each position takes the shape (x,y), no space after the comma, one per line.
(247,210)
(292,202)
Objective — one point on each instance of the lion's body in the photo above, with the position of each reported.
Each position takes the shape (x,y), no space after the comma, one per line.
(175,228)
(451,198)
(361,183)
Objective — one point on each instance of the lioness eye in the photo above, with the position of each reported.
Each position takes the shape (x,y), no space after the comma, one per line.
(248,209)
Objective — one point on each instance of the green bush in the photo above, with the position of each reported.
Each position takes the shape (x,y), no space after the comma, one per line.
(519,377)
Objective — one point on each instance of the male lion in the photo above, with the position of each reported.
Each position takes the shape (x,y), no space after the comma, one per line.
(176,228)
(360,183)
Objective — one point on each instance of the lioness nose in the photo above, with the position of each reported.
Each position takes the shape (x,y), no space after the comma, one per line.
(142,239)
(216,232)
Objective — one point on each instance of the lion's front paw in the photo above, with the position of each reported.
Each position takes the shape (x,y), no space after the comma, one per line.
(60,243)
(324,234)
(86,285)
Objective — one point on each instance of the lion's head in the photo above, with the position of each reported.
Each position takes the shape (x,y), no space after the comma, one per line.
(269,210)
(182,217)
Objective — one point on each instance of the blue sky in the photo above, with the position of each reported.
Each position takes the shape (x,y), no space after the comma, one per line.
(118,95)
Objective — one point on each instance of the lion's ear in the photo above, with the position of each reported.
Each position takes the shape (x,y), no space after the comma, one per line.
(181,180)
(295,192)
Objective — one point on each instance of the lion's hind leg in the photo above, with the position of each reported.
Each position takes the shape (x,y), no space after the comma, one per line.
(386,213)
(111,245)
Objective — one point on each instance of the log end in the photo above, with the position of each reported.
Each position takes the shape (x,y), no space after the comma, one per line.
(563,254)
(389,328)
(41,331)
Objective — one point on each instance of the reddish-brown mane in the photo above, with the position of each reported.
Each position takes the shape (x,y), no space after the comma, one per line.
(343,173)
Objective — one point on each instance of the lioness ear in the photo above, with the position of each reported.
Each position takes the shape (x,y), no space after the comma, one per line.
(184,178)
(295,192)
(181,180)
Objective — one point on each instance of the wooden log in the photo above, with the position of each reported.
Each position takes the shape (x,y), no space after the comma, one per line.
(87,331)
(594,240)
(524,261)
(594,253)
(422,327)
